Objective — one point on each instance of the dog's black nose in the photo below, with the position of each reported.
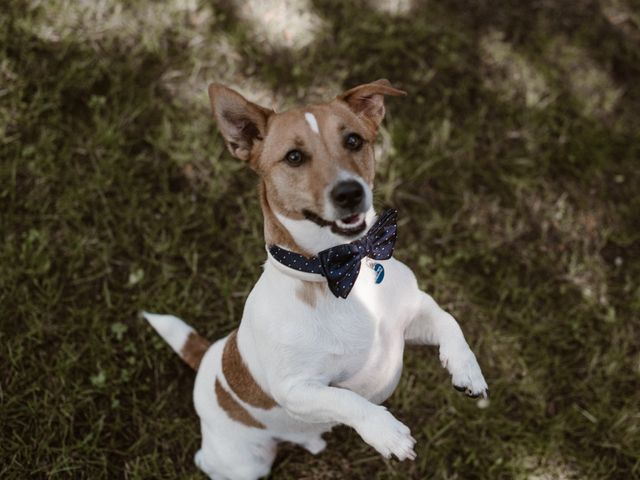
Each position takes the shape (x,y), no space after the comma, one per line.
(347,194)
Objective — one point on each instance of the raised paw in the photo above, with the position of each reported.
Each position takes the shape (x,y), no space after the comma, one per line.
(466,375)
(469,393)
(387,435)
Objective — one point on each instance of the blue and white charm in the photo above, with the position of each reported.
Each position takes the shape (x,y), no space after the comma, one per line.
(379,269)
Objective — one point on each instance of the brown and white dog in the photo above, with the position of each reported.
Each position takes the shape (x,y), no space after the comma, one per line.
(303,360)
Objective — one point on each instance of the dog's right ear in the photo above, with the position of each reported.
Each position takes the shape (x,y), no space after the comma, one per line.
(241,123)
(368,100)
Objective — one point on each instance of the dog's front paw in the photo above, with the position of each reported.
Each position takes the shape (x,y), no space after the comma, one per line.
(466,375)
(387,435)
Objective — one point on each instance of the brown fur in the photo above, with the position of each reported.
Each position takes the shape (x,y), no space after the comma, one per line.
(262,138)
(288,190)
(193,350)
(239,377)
(235,411)
(291,189)
(308,292)
(274,232)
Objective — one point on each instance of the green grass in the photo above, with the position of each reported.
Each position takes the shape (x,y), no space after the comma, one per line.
(513,163)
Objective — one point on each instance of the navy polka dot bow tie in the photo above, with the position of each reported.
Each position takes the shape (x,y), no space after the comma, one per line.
(340,265)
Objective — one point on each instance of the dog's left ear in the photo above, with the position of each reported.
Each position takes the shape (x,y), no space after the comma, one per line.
(367,100)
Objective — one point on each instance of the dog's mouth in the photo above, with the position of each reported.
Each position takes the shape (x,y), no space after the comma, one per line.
(347,226)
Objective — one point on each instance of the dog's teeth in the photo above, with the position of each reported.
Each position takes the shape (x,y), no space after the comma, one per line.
(352,225)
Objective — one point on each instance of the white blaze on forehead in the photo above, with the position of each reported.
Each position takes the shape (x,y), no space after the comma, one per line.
(311,120)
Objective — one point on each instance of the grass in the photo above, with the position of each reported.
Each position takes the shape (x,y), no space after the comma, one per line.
(513,163)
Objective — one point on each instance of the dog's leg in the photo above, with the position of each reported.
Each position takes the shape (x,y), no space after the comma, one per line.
(232,454)
(434,326)
(316,403)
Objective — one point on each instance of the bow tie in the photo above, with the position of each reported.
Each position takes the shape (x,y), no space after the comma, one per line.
(340,265)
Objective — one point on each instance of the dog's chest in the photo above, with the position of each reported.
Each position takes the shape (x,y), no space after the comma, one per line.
(373,367)
(355,343)
(374,318)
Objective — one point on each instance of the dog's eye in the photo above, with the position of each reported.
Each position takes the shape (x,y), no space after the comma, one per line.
(353,141)
(294,158)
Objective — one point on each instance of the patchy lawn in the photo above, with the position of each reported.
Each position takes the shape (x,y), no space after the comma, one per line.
(514,163)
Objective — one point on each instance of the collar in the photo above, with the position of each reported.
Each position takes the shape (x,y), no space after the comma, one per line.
(292,272)
(340,265)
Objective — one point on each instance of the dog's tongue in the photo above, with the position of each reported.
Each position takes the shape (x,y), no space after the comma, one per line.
(351,219)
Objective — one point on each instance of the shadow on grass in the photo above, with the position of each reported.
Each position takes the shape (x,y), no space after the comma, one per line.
(103,215)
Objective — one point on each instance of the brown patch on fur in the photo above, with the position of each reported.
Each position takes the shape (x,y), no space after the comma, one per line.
(194,349)
(235,411)
(308,292)
(239,377)
(263,138)
(288,190)
(274,232)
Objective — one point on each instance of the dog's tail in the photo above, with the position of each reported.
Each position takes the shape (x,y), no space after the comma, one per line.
(184,340)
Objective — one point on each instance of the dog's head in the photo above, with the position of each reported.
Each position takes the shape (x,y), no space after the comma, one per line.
(316,163)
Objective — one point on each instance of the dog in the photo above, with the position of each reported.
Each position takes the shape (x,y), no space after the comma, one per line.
(323,331)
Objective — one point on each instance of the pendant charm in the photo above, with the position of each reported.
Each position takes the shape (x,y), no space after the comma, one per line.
(379,269)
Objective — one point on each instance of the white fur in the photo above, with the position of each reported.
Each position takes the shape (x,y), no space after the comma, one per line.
(326,364)
(172,329)
(315,238)
(313,123)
